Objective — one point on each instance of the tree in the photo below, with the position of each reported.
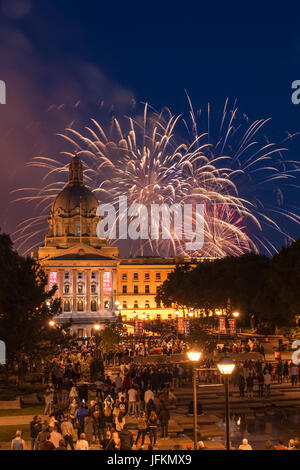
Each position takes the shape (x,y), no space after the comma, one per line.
(25,306)
(110,337)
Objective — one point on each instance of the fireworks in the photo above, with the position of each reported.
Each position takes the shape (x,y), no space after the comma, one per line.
(228,166)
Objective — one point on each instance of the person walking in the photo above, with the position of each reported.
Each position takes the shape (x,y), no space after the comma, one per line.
(68,432)
(132,394)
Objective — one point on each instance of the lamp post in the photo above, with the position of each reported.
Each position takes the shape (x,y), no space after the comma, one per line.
(194,356)
(52,323)
(226,366)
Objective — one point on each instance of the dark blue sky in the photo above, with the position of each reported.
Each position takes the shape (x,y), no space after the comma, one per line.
(60,51)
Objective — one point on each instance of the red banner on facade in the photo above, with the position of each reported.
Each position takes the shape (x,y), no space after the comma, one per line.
(107,283)
(138,328)
(53,281)
(222,325)
(186,327)
(180,326)
(232,326)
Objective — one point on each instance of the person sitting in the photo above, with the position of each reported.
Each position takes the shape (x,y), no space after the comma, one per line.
(245,445)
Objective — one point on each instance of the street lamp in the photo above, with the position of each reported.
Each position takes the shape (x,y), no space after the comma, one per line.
(96,327)
(52,323)
(191,314)
(236,314)
(194,356)
(226,366)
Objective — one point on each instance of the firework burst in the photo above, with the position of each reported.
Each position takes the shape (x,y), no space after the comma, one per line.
(162,159)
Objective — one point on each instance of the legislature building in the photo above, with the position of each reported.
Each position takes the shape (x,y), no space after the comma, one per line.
(94,283)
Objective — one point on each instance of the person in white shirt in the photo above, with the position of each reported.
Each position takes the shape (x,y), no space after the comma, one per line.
(148,395)
(245,445)
(55,437)
(132,393)
(82,443)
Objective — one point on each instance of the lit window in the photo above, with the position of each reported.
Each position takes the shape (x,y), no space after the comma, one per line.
(147,304)
(136,304)
(80,306)
(80,288)
(67,289)
(93,306)
(124,304)
(93,289)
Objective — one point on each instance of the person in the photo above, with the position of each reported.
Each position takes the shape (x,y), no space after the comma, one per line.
(267,382)
(42,435)
(149,395)
(269,446)
(152,426)
(68,432)
(261,382)
(48,397)
(80,414)
(241,384)
(126,439)
(201,445)
(245,445)
(48,444)
(35,428)
(18,443)
(108,442)
(280,445)
(132,400)
(291,444)
(142,428)
(250,385)
(89,427)
(62,445)
(82,443)
(55,436)
(164,417)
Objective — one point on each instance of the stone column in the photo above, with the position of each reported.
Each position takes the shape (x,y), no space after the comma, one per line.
(74,290)
(88,289)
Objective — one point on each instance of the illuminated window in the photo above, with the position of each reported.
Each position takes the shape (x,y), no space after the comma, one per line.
(77,229)
(67,289)
(124,276)
(80,306)
(106,304)
(124,304)
(147,276)
(147,304)
(80,288)
(67,306)
(93,288)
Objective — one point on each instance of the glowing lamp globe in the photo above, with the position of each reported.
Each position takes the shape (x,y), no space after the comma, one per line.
(194,355)
(52,323)
(96,327)
(226,366)
(236,314)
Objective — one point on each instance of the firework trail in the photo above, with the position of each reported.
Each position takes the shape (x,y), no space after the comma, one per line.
(227,166)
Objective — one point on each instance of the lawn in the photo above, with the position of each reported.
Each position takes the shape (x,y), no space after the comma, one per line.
(7,433)
(27,410)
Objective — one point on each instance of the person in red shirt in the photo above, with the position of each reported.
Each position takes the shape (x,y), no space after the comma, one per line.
(48,445)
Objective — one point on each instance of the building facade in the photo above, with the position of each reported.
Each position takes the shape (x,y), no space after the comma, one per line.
(94,283)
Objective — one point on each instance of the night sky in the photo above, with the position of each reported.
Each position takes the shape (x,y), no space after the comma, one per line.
(55,54)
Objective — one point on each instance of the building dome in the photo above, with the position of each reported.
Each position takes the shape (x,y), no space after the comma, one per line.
(75,198)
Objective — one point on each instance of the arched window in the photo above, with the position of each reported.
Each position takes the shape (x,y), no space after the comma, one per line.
(80,288)
(67,289)
(67,306)
(80,306)
(77,229)
(93,306)
(93,288)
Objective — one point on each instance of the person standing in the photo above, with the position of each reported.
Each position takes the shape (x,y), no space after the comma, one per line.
(68,432)
(18,443)
(152,426)
(132,393)
(261,382)
(267,382)
(142,428)
(164,417)
(245,445)
(242,385)
(35,428)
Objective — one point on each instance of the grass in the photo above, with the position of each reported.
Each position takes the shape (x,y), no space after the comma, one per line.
(27,410)
(7,433)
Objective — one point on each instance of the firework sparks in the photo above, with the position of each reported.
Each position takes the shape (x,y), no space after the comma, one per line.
(160,159)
